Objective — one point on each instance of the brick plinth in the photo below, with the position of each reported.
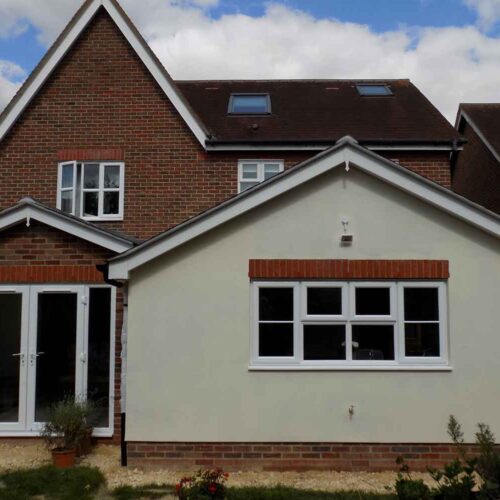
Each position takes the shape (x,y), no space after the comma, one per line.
(291,456)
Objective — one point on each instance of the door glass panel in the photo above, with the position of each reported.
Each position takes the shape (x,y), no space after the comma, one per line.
(99,352)
(10,344)
(56,350)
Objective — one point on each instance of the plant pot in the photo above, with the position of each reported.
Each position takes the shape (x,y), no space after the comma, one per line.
(63,458)
(84,446)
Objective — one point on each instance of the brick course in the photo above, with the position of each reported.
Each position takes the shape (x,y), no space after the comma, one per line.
(291,456)
(347,269)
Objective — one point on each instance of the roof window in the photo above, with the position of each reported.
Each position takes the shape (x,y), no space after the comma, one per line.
(249,104)
(373,89)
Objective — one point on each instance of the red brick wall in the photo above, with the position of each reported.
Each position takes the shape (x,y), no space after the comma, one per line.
(291,456)
(476,173)
(102,97)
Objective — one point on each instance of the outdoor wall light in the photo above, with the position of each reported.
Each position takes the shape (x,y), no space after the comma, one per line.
(346,238)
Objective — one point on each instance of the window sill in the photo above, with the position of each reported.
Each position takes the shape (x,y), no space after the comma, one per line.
(102,219)
(361,368)
(97,433)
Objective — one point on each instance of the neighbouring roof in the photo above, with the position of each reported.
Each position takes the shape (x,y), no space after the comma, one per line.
(485,120)
(28,209)
(344,153)
(319,111)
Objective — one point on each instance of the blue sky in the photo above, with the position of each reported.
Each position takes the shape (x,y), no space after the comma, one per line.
(449,48)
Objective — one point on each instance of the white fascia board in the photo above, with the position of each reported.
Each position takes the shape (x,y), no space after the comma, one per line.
(66,43)
(400,177)
(29,213)
(464,116)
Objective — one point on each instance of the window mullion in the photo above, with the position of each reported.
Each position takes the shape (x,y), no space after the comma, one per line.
(100,196)
(298,328)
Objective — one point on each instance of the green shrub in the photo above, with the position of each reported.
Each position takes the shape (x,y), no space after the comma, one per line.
(408,488)
(488,463)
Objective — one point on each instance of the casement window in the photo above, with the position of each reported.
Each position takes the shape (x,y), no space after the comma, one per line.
(358,324)
(91,190)
(253,172)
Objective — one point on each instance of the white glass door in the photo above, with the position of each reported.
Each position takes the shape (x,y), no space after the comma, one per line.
(14,306)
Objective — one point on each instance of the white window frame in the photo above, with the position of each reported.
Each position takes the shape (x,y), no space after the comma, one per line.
(79,190)
(349,318)
(260,170)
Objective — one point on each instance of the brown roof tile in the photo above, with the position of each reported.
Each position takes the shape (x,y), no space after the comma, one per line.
(486,117)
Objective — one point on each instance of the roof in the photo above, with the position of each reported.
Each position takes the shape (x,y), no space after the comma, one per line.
(28,209)
(65,41)
(319,111)
(344,153)
(485,121)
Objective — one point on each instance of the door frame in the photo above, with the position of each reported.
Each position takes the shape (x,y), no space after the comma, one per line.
(26,426)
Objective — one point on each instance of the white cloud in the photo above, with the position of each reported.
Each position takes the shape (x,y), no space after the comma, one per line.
(488,12)
(449,65)
(9,74)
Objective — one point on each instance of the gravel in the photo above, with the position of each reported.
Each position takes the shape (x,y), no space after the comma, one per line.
(107,459)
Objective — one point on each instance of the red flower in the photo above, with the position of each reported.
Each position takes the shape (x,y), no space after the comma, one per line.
(212,488)
(178,486)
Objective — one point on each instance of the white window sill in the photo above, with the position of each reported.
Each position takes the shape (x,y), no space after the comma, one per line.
(361,368)
(98,433)
(102,219)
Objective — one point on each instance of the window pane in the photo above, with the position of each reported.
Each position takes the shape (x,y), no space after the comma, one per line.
(422,339)
(112,176)
(324,342)
(276,304)
(247,185)
(276,339)
(421,304)
(67,201)
(111,202)
(251,104)
(91,176)
(90,204)
(249,171)
(271,169)
(373,301)
(374,342)
(99,352)
(322,300)
(67,176)
(374,90)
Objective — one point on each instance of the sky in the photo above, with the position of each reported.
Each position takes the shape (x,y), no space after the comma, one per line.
(450,49)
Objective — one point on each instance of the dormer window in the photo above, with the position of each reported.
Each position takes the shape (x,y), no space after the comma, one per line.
(91,190)
(374,89)
(249,104)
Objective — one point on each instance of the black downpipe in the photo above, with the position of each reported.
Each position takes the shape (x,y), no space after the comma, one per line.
(123,444)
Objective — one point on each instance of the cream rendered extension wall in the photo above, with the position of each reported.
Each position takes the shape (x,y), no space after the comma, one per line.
(188,347)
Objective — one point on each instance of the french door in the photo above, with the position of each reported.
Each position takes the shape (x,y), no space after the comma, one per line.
(54,340)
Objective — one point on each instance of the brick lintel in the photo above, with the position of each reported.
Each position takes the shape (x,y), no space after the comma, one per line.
(90,154)
(347,269)
(50,274)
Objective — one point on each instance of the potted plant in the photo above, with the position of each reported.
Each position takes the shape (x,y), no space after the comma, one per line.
(66,429)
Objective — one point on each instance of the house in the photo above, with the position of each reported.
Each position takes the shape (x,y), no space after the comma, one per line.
(476,170)
(241,273)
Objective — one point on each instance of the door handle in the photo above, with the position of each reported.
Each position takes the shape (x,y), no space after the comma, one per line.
(34,356)
(21,356)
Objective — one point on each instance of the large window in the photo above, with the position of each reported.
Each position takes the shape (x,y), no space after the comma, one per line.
(91,190)
(348,324)
(253,172)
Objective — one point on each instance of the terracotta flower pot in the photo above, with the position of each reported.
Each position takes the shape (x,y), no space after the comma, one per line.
(63,458)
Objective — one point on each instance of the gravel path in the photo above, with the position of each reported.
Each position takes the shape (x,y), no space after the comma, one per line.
(107,458)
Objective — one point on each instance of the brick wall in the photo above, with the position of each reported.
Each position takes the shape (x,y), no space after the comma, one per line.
(476,173)
(101,97)
(290,456)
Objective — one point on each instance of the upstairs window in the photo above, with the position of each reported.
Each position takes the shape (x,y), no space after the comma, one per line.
(348,324)
(91,190)
(253,172)
(374,89)
(249,104)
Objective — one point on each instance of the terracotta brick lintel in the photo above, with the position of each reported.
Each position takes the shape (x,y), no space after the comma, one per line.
(291,456)
(50,274)
(347,269)
(90,154)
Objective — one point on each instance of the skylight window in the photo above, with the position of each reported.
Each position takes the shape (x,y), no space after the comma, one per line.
(373,89)
(249,104)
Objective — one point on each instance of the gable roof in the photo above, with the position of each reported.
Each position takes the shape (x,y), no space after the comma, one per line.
(484,119)
(320,112)
(29,209)
(66,40)
(347,151)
